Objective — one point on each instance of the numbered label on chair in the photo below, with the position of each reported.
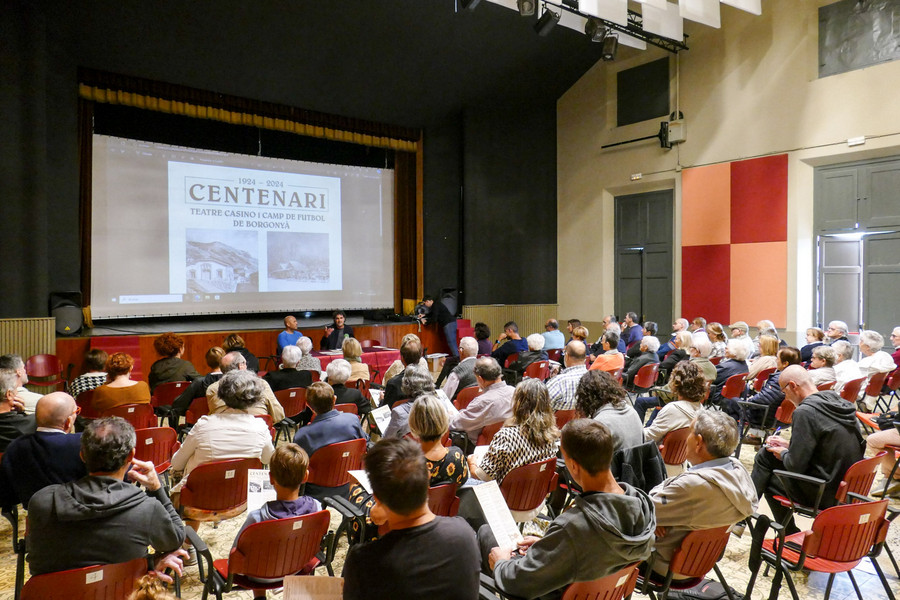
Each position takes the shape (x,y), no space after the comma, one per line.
(229,474)
(863,519)
(131,410)
(623,579)
(148,441)
(345,455)
(298,524)
(293,394)
(543,468)
(93,577)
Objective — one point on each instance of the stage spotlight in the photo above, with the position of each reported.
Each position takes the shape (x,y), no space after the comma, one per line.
(547,21)
(469,4)
(595,29)
(526,7)
(610,45)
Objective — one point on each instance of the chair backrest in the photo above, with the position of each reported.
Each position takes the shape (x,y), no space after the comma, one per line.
(466,395)
(699,551)
(850,391)
(369,343)
(219,485)
(893,380)
(785,412)
(292,400)
(614,586)
(269,423)
(363,386)
(555,354)
(279,547)
(733,387)
(165,393)
(538,370)
(761,378)
(828,385)
(329,464)
(511,359)
(487,433)
(617,374)
(674,447)
(847,532)
(101,582)
(43,366)
(316,376)
(563,417)
(646,376)
(156,444)
(443,501)
(876,382)
(715,360)
(140,416)
(859,477)
(199,407)
(526,487)
(86,400)
(347,407)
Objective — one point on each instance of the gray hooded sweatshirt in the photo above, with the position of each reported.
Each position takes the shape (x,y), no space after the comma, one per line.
(600,534)
(709,495)
(98,520)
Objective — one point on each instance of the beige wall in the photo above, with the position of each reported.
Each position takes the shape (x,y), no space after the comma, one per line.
(748,89)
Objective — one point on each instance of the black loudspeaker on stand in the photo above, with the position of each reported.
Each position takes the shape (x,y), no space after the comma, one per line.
(66,307)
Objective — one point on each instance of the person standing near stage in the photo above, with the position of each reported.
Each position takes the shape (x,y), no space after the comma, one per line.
(336,332)
(440,314)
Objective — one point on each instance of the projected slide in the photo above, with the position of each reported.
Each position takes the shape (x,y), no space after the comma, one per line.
(183,231)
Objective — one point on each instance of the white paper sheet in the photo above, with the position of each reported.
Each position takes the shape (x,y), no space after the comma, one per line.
(497,514)
(362,478)
(382,416)
(259,488)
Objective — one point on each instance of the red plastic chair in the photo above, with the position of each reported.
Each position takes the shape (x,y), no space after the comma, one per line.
(715,360)
(329,465)
(271,425)
(646,376)
(892,383)
(734,387)
(785,412)
(487,433)
(696,556)
(563,417)
(271,549)
(826,386)
(875,386)
(293,401)
(363,386)
(850,391)
(45,370)
(156,444)
(525,488)
(617,374)
(347,407)
(141,416)
(443,501)
(840,537)
(761,378)
(856,480)
(511,359)
(615,586)
(217,490)
(466,395)
(538,370)
(101,582)
(674,446)
(555,354)
(316,376)
(164,395)
(85,400)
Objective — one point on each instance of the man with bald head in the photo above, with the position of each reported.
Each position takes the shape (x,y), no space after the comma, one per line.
(825,441)
(562,387)
(49,455)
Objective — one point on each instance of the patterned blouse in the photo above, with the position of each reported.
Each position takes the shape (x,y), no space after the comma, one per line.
(84,383)
(510,449)
(453,468)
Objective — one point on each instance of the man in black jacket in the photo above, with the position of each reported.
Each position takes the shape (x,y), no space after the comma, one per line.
(825,442)
(440,314)
(410,353)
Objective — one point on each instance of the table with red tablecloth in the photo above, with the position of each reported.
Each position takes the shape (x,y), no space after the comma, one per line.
(379,360)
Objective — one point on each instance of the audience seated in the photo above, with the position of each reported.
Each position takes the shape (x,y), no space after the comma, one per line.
(768,347)
(235,343)
(493,405)
(690,388)
(198,387)
(483,335)
(581,334)
(463,374)
(815,337)
(553,337)
(94,372)
(836,331)
(171,367)
(102,518)
(48,456)
(230,433)
(874,360)
(895,342)
(611,323)
(632,332)
(336,332)
(509,342)
(308,362)
(845,368)
(338,373)
(609,526)
(410,354)
(26,400)
(609,358)
(735,363)
(600,397)
(352,351)
(680,324)
(534,353)
(289,337)
(821,364)
(740,332)
(397,366)
(698,349)
(288,376)
(121,389)
(699,352)
(715,491)
(697,325)
(633,351)
(328,427)
(13,422)
(679,353)
(422,556)
(264,404)
(770,395)
(717,338)
(416,382)
(649,345)
(563,386)
(825,441)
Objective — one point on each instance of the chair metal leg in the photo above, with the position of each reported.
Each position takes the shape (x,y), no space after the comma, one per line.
(723,582)
(792,587)
(883,579)
(855,586)
(828,586)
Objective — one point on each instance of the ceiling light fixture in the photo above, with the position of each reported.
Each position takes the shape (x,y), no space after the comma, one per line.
(595,29)
(610,45)
(526,7)
(548,20)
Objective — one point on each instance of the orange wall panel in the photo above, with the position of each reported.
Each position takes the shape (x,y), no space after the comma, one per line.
(706,205)
(759,282)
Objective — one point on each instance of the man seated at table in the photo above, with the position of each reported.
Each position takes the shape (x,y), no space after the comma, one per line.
(290,336)
(336,332)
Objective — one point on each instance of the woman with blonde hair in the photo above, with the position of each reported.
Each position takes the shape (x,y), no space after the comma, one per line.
(353,354)
(768,348)
(717,338)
